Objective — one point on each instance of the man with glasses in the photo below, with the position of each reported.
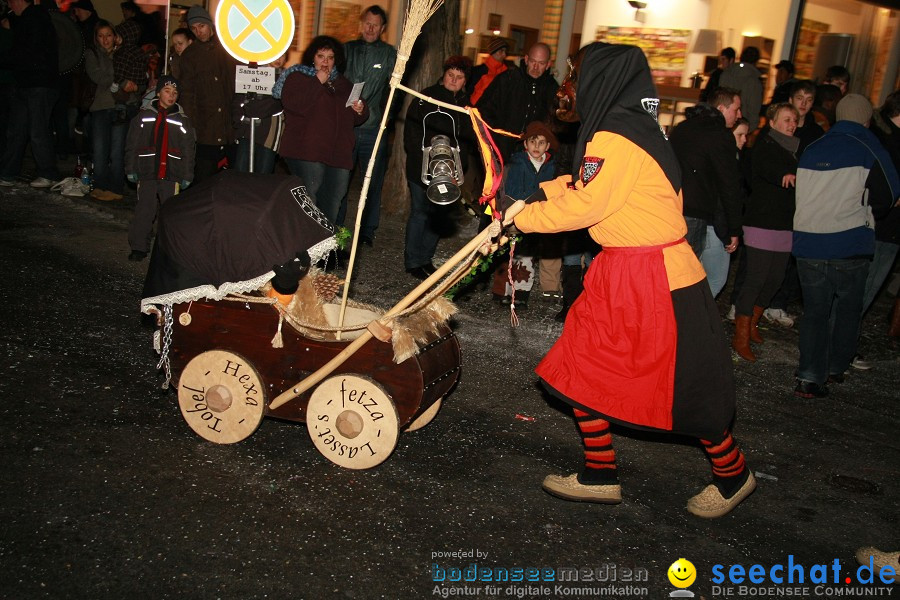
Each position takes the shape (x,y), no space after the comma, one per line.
(519,96)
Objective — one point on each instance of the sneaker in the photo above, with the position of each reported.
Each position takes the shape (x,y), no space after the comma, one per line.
(879,560)
(569,488)
(861,364)
(41,183)
(777,315)
(7,182)
(730,314)
(711,504)
(810,389)
(137,255)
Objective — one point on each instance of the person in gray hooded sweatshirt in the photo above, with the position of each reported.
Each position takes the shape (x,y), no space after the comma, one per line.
(745,78)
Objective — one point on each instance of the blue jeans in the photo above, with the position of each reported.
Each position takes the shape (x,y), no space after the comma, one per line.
(715,261)
(29,120)
(108,150)
(421,237)
(832,311)
(575,260)
(696,234)
(326,185)
(362,153)
(885,253)
(263,158)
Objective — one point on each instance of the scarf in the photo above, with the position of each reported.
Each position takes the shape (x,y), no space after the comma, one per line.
(788,142)
(161,141)
(307,70)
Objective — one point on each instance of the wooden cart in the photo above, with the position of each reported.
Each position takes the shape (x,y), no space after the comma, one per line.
(226,370)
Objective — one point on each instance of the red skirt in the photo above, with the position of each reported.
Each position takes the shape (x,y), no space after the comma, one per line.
(634,352)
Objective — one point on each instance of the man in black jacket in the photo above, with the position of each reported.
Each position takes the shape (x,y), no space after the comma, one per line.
(519,96)
(35,65)
(706,151)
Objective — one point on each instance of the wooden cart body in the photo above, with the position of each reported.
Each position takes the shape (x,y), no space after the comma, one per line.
(245,330)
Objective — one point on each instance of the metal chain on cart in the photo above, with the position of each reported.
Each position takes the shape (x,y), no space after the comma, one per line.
(166,341)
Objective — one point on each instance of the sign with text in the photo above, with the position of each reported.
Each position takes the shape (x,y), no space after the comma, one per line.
(255,31)
(258,80)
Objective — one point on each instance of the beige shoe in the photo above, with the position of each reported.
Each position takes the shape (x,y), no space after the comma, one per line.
(114,196)
(569,488)
(98,194)
(710,504)
(880,559)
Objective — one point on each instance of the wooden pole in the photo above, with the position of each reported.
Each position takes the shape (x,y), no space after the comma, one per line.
(325,370)
(363,195)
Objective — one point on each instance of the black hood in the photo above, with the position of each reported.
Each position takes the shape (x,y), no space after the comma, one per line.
(616,94)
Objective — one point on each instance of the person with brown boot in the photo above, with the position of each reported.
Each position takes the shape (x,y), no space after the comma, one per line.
(755,337)
(894,330)
(768,223)
(741,340)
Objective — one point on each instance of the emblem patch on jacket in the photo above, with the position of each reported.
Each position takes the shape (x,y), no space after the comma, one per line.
(590,167)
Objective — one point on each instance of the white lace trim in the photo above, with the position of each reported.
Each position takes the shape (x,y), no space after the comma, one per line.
(211,292)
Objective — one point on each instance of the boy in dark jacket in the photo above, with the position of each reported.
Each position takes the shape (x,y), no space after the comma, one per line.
(159,157)
(521,178)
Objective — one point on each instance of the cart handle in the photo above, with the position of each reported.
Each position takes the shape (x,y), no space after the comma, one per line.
(492,231)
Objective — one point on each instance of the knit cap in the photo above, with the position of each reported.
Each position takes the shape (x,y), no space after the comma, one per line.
(164,81)
(856,108)
(497,43)
(198,14)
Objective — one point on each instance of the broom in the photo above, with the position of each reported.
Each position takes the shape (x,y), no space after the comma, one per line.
(418,12)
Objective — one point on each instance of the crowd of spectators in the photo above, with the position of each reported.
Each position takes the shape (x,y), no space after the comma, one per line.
(741,159)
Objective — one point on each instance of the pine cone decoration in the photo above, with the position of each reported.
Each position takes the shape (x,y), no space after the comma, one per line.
(326,286)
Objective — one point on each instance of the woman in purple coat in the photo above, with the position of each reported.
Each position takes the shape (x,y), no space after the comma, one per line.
(318,124)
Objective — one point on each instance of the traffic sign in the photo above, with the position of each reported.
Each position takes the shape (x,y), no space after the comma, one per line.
(255,31)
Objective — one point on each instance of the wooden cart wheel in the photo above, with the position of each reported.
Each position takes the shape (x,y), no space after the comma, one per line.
(426,417)
(221,396)
(352,421)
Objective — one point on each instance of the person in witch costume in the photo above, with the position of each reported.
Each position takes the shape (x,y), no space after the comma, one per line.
(643,345)
(159,158)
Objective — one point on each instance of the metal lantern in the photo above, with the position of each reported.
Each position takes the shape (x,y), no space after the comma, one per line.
(442,169)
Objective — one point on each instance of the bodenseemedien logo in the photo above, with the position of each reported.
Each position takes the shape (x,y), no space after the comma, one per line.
(682,575)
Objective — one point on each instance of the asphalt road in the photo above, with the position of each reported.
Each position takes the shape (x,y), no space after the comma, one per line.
(106,493)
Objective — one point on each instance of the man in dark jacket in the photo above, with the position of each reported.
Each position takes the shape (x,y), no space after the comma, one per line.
(35,65)
(886,127)
(707,153)
(206,93)
(371,61)
(519,96)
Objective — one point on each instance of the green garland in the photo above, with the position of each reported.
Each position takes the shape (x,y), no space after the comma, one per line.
(342,236)
(481,265)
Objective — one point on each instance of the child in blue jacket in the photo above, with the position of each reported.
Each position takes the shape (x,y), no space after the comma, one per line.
(521,178)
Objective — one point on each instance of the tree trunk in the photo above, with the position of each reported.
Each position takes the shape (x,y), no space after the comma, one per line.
(439,40)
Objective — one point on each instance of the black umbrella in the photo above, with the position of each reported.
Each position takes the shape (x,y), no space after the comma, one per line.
(225,234)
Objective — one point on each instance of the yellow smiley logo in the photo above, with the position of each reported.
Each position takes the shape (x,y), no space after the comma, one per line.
(682,573)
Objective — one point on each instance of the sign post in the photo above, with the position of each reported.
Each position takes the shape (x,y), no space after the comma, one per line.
(255,32)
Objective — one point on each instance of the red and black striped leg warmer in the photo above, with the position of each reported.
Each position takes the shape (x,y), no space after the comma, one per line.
(728,466)
(599,456)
